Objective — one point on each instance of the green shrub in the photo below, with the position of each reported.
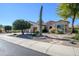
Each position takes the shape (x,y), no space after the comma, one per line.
(76,37)
(70,30)
(35,33)
(76,31)
(44,30)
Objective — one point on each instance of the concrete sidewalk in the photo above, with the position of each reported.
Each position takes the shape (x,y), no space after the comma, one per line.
(48,48)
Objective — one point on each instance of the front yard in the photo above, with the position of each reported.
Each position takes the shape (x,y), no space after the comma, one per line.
(61,39)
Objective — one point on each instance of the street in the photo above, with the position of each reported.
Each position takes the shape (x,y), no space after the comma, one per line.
(10,49)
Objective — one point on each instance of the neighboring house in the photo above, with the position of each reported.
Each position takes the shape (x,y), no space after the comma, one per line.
(63,25)
(35,26)
(2,30)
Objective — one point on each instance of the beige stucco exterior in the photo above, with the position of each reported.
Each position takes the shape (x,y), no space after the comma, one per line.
(52,25)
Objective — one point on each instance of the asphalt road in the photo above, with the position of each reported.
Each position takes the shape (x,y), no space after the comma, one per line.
(10,49)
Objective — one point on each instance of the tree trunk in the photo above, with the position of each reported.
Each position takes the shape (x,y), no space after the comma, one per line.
(73,30)
(22,32)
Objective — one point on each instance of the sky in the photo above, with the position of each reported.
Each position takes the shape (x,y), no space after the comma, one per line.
(9,12)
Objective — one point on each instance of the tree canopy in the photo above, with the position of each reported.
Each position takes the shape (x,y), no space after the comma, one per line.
(21,24)
(69,10)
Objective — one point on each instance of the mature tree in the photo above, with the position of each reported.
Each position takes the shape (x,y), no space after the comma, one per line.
(7,28)
(40,21)
(21,24)
(69,10)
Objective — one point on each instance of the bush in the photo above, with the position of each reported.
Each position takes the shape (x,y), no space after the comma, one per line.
(76,37)
(35,33)
(70,30)
(76,31)
(45,30)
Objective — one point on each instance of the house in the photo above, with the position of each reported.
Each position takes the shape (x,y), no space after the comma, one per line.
(51,26)
(35,26)
(58,25)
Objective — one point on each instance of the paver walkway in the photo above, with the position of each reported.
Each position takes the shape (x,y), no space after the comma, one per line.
(47,48)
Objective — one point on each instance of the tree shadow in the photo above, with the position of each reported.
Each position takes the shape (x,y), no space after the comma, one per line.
(26,36)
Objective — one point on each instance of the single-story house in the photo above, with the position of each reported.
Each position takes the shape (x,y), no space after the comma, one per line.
(51,25)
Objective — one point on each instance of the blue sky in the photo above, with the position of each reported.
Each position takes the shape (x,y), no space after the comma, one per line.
(29,11)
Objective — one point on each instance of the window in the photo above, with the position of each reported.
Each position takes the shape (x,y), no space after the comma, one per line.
(58,26)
